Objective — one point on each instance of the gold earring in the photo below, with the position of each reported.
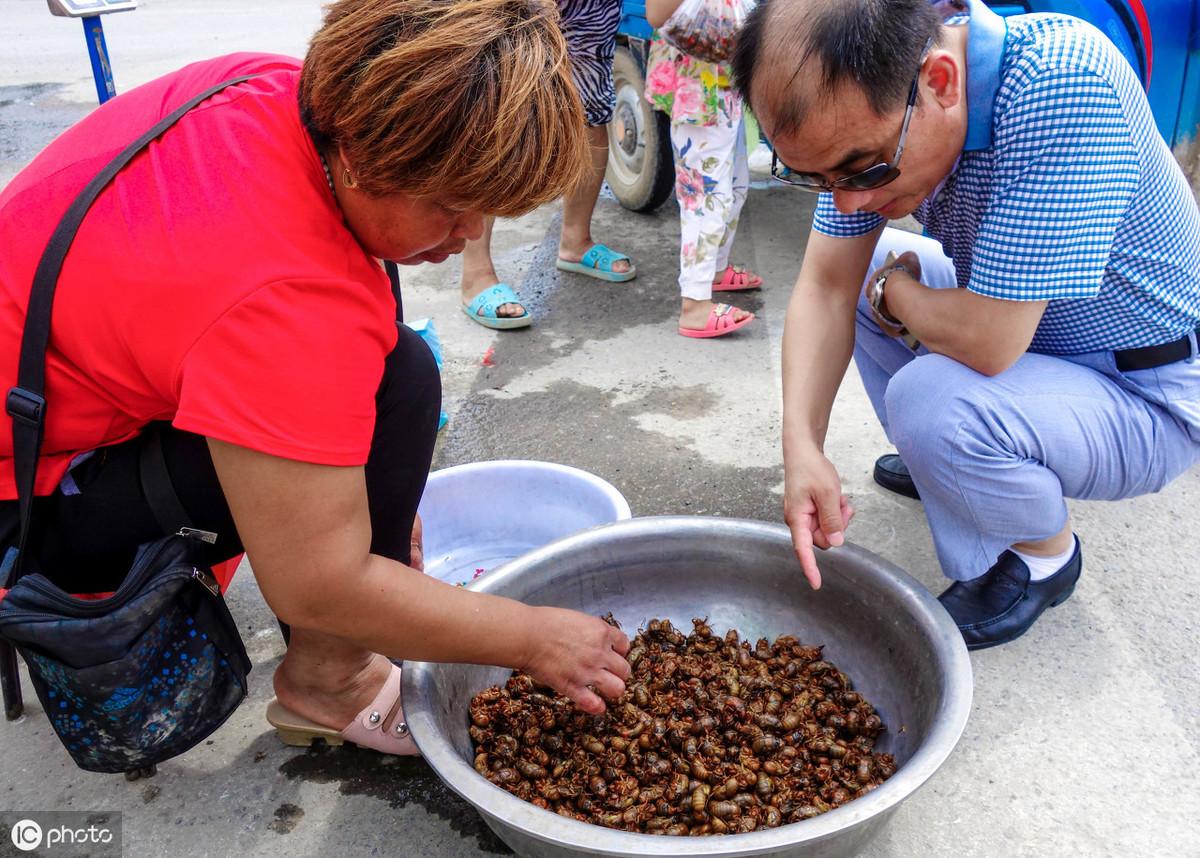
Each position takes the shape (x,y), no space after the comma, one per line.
(348,180)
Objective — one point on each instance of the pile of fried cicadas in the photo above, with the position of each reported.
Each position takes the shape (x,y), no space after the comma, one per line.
(711,736)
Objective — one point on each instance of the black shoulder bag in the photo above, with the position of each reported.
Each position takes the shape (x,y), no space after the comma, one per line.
(143,675)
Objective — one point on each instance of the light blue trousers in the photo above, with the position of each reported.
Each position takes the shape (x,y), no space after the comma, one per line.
(994,457)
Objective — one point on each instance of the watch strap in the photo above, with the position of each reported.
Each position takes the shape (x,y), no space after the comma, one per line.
(877,296)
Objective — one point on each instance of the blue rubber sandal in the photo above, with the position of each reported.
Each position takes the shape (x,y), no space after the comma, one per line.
(490,300)
(598,263)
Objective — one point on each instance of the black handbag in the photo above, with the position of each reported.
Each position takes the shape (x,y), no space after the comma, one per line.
(141,676)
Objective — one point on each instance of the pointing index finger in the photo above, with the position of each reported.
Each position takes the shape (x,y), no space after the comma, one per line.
(802,543)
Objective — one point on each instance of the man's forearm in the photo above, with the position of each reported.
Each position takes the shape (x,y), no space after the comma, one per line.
(818,341)
(983,333)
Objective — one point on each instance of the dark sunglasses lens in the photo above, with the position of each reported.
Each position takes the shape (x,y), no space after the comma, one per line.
(807,181)
(871,178)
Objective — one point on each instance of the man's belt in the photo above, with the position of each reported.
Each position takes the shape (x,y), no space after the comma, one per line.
(1149,357)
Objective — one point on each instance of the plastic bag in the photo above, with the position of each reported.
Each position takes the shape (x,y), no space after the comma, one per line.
(427,332)
(707,29)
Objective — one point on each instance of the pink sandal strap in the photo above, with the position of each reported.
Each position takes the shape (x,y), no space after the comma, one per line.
(721,321)
(381,725)
(735,279)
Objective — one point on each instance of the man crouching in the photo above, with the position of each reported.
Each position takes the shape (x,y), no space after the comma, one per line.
(1041,344)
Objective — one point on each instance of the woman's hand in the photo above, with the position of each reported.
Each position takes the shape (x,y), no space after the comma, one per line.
(815,509)
(578,655)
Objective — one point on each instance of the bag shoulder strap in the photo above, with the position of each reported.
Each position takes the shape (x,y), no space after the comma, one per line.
(156,483)
(26,403)
(393,273)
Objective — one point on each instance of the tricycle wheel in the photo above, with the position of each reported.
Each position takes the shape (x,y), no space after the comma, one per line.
(640,164)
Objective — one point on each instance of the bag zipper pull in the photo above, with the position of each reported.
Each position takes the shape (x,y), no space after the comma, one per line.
(193,533)
(207,580)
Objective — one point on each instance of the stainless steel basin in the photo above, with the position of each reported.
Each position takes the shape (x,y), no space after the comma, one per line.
(878,625)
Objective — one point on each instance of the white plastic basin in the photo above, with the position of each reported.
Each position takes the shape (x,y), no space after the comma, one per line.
(481,515)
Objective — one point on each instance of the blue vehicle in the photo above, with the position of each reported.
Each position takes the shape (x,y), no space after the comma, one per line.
(1160,38)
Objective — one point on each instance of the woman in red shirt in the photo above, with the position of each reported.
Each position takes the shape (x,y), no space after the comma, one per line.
(225,290)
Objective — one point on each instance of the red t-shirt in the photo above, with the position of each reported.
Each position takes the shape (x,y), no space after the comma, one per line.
(213,283)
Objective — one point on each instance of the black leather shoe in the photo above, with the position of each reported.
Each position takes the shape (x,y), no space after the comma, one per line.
(1000,605)
(892,474)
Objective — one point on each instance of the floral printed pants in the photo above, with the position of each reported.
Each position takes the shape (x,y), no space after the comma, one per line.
(711,180)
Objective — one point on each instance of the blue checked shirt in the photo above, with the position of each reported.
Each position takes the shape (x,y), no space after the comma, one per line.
(1065,191)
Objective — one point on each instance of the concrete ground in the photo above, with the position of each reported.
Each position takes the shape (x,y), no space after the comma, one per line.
(1083,739)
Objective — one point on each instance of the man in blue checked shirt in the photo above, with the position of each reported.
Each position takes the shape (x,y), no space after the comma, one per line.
(1064,364)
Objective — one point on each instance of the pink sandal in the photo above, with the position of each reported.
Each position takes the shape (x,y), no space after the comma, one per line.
(720,323)
(380,726)
(737,280)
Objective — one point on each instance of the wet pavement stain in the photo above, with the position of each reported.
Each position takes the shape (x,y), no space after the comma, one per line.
(287,817)
(658,474)
(399,781)
(571,310)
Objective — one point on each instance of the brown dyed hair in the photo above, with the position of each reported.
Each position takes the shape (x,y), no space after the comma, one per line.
(468,100)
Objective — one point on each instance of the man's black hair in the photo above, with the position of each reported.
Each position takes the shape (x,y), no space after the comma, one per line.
(875,44)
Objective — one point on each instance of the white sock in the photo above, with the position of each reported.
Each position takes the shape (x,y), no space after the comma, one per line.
(1041,568)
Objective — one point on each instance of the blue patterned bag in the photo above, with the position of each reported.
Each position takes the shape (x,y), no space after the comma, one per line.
(142,676)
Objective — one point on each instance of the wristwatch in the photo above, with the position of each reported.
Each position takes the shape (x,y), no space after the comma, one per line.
(876,297)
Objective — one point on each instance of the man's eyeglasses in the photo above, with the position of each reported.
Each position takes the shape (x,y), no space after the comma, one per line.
(865,180)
